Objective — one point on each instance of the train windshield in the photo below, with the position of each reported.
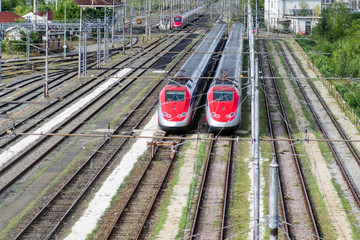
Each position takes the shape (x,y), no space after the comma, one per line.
(175,96)
(177,19)
(223,96)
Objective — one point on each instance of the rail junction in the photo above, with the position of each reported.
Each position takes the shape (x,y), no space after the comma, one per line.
(99,126)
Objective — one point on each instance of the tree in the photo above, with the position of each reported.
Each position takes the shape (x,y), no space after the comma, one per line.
(304,6)
(91,13)
(72,10)
(9,5)
(334,23)
(22,9)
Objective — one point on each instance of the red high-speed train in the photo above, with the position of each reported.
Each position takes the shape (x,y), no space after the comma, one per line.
(223,106)
(181,20)
(179,99)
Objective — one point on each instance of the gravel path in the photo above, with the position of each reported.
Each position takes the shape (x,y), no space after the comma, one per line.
(180,194)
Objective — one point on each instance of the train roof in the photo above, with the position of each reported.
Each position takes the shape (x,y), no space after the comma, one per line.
(197,62)
(185,14)
(230,65)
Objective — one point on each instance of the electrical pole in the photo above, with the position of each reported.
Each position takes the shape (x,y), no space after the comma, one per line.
(98,55)
(256,16)
(150,19)
(65,32)
(124,23)
(35,13)
(113,22)
(79,66)
(131,24)
(171,12)
(268,23)
(254,123)
(46,84)
(257,155)
(28,44)
(273,199)
(85,50)
(147,19)
(106,39)
(1,37)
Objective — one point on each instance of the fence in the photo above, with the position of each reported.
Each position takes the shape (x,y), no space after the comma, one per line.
(342,103)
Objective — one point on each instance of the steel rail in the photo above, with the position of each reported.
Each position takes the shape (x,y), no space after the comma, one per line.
(323,103)
(58,59)
(133,195)
(122,63)
(271,130)
(298,167)
(325,134)
(34,163)
(226,191)
(201,191)
(53,84)
(83,167)
(125,140)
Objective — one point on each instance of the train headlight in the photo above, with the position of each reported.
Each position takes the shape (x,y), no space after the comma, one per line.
(231,115)
(184,114)
(214,115)
(165,114)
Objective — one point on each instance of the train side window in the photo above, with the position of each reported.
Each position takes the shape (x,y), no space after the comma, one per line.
(223,96)
(175,96)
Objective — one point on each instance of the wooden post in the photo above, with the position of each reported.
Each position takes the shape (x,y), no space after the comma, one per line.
(162,144)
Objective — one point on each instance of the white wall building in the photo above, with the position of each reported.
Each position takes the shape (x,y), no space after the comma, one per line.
(292,15)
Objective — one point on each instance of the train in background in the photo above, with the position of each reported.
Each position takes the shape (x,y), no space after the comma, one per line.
(182,20)
(223,100)
(179,99)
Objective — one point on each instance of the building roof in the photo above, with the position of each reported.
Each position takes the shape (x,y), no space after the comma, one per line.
(43,14)
(9,17)
(98,2)
(302,12)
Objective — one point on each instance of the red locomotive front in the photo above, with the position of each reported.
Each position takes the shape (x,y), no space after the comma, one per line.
(177,21)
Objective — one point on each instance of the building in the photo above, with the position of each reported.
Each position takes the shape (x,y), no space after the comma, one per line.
(9,17)
(298,16)
(99,3)
(39,16)
(292,15)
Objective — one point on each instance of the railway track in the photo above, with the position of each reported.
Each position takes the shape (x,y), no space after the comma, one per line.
(73,95)
(114,92)
(50,217)
(35,90)
(290,186)
(209,220)
(36,220)
(343,152)
(70,63)
(134,210)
